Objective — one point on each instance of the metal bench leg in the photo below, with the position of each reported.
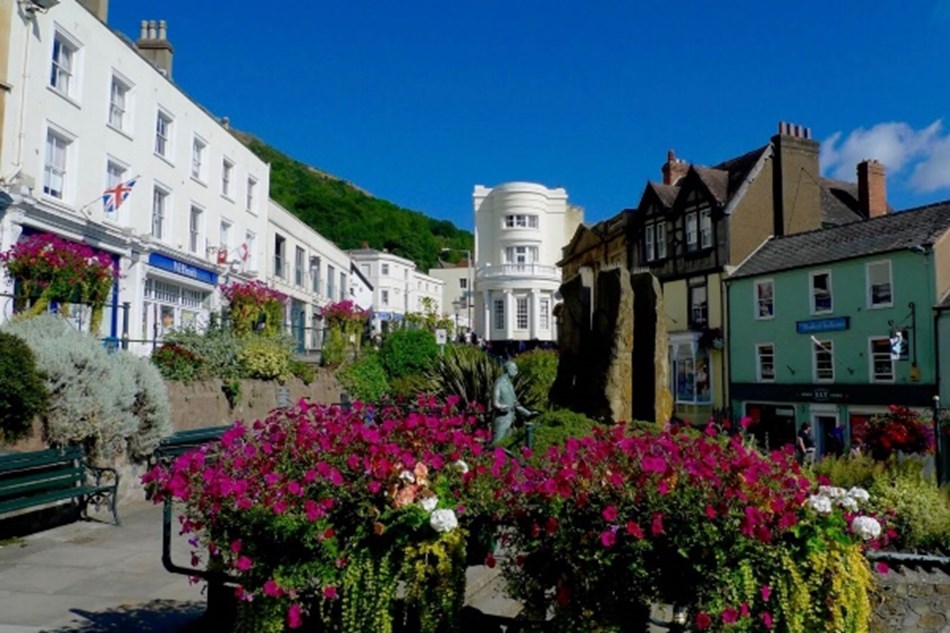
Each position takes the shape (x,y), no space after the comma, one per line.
(115,510)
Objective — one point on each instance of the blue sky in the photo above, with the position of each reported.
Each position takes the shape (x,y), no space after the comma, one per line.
(417,102)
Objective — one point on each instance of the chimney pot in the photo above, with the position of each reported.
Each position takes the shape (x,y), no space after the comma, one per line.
(143,34)
(674,169)
(872,188)
(162,29)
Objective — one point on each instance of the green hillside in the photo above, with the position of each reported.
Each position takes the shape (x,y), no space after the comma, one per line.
(349,217)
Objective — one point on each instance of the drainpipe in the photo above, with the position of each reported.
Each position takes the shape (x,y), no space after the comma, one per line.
(24,80)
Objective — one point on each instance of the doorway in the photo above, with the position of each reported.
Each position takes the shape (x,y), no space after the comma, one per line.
(823,424)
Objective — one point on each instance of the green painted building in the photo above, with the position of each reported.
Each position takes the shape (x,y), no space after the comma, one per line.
(835,325)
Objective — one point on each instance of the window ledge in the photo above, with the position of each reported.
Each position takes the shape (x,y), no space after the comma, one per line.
(881,306)
(199,181)
(119,131)
(164,159)
(64,96)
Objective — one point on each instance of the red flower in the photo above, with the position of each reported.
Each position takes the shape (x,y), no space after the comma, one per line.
(730,616)
(703,621)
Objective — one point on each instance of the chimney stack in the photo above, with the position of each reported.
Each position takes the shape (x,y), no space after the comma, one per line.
(796,192)
(674,169)
(154,46)
(99,8)
(872,188)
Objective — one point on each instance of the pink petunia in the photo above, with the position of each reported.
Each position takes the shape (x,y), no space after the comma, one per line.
(730,616)
(656,525)
(882,568)
(294,616)
(703,621)
(610,513)
(765,591)
(634,530)
(330,592)
(608,538)
(243,563)
(767,619)
(272,589)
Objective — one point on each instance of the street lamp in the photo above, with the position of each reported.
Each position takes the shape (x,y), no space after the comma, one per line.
(457,305)
(468,295)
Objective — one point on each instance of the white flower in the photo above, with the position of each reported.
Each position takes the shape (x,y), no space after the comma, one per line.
(429,503)
(859,494)
(443,520)
(407,475)
(848,503)
(462,466)
(866,527)
(832,492)
(819,503)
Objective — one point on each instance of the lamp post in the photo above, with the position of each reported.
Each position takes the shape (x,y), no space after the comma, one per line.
(468,295)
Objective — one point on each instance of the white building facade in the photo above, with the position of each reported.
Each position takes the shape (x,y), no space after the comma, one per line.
(520,228)
(306,267)
(457,296)
(398,288)
(81,110)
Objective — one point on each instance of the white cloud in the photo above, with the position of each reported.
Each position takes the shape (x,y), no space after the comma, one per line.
(897,145)
(934,172)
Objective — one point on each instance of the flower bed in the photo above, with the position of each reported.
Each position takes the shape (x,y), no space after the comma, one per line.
(736,538)
(321,515)
(254,305)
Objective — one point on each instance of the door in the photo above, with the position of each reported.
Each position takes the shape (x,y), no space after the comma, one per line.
(823,425)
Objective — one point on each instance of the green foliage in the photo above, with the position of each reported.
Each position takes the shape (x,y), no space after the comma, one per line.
(365,379)
(334,348)
(217,347)
(408,352)
(267,357)
(409,386)
(921,509)
(150,407)
(97,400)
(348,216)
(304,371)
(232,391)
(537,370)
(23,395)
(553,428)
(467,372)
(177,363)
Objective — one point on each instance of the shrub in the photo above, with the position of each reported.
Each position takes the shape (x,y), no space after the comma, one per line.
(553,428)
(365,379)
(267,357)
(921,513)
(177,363)
(334,348)
(408,387)
(150,408)
(537,370)
(90,401)
(847,472)
(23,395)
(217,347)
(304,371)
(467,372)
(407,352)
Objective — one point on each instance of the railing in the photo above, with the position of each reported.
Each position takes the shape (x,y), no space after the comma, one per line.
(518,270)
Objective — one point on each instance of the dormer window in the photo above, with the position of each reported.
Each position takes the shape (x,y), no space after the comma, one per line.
(654,240)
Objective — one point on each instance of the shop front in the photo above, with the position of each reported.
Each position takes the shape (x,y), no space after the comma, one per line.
(177,296)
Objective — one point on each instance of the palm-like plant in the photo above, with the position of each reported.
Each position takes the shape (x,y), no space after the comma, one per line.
(466,372)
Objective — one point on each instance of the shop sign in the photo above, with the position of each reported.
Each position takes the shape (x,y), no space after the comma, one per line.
(823,325)
(181,268)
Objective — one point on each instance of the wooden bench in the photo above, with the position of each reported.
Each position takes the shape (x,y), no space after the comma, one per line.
(38,478)
(183,441)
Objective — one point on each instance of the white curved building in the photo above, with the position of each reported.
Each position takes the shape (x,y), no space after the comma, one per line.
(520,228)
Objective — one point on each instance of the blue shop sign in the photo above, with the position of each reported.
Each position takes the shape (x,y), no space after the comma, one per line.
(181,268)
(835,324)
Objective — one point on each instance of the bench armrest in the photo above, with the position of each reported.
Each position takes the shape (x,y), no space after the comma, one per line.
(99,471)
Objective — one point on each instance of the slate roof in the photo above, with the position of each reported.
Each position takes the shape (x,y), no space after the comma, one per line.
(891,232)
(716,181)
(839,202)
(739,168)
(666,193)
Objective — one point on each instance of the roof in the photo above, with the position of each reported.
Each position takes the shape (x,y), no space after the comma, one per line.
(917,227)
(716,181)
(739,167)
(839,202)
(665,193)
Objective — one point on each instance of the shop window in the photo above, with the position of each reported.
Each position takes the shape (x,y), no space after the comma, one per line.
(691,375)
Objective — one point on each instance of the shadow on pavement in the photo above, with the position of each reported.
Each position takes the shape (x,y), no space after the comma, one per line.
(157,616)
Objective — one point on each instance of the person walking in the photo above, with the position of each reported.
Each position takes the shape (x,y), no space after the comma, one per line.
(806,445)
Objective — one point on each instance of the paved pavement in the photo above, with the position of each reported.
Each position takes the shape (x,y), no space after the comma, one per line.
(92,576)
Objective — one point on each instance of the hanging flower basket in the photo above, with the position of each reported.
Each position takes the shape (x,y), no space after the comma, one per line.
(254,306)
(48,269)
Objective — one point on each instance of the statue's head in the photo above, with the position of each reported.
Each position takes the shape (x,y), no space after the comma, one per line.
(511,369)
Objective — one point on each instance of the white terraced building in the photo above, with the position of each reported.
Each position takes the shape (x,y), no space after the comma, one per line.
(520,228)
(82,109)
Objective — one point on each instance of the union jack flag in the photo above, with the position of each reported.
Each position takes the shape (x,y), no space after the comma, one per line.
(113,197)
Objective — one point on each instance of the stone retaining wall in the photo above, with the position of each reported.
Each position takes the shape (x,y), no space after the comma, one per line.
(911,600)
